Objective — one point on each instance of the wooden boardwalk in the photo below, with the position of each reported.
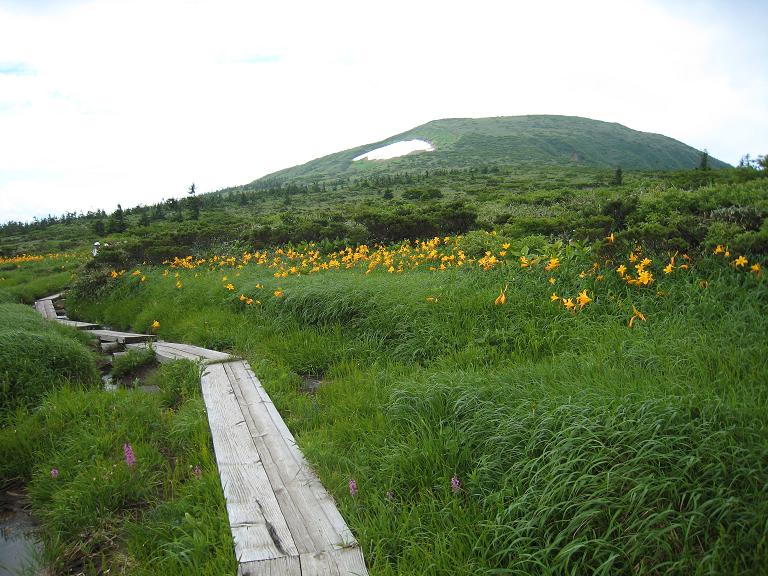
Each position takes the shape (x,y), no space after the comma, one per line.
(282,519)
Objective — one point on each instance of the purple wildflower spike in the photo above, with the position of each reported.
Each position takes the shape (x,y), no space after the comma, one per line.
(130,457)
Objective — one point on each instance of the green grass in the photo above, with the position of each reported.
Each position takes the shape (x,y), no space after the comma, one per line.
(37,356)
(582,446)
(99,513)
(131,361)
(29,281)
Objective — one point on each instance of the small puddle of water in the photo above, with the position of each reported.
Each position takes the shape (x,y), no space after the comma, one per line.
(19,549)
(310,383)
(109,385)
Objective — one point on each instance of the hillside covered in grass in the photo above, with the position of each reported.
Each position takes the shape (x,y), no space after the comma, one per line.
(508,140)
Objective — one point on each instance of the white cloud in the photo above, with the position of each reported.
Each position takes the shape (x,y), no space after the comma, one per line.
(131,102)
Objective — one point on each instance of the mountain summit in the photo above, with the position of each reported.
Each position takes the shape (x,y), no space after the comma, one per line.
(508,140)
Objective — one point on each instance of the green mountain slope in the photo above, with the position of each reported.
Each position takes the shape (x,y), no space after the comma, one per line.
(510,140)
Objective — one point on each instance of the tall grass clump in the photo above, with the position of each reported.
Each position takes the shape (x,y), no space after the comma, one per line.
(37,356)
(574,484)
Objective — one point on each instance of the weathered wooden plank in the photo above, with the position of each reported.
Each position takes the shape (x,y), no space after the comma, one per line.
(285,566)
(309,510)
(45,308)
(78,325)
(52,297)
(122,337)
(258,527)
(231,437)
(341,562)
(341,536)
(167,351)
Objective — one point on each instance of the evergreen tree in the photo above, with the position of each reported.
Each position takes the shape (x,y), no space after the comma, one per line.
(194,207)
(116,221)
(618,177)
(704,162)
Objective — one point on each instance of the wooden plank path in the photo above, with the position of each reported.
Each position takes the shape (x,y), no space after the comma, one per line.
(122,337)
(46,309)
(78,325)
(283,521)
(167,351)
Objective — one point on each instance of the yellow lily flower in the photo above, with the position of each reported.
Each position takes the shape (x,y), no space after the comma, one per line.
(502,297)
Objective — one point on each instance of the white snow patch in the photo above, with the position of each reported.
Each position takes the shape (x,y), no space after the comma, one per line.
(397,149)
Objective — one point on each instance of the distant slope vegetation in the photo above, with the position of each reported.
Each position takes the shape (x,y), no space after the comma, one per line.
(508,140)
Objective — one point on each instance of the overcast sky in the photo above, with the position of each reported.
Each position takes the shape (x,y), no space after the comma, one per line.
(128,102)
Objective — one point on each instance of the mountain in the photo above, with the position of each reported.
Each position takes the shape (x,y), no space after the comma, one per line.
(508,140)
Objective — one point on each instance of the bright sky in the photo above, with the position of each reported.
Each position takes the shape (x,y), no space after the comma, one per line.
(106,102)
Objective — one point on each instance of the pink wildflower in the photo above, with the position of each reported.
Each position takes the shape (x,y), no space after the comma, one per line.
(130,457)
(197,472)
(455,484)
(352,487)
(54,472)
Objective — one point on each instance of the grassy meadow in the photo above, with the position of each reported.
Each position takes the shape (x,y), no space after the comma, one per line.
(503,408)
(566,374)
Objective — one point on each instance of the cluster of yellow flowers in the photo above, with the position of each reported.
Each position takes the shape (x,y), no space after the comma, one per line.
(436,254)
(740,262)
(25,258)
(582,300)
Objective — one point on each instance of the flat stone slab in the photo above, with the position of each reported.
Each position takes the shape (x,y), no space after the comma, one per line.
(167,351)
(122,337)
(78,325)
